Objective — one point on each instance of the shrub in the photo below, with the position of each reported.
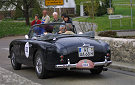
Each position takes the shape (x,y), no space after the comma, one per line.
(36,9)
(18,12)
(13,28)
(100,7)
(108,34)
(78,9)
(72,15)
(103,9)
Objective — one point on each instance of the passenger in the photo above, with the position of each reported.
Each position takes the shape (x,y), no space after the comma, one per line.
(48,29)
(56,17)
(62,16)
(69,29)
(67,19)
(38,31)
(45,18)
(36,21)
(62,29)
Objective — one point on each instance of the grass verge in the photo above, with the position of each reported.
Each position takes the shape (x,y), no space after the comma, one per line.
(8,28)
(104,23)
(124,10)
(122,1)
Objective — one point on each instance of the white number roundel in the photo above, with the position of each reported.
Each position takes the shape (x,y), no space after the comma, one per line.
(27,49)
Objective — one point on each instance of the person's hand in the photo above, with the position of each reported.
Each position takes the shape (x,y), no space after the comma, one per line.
(60,32)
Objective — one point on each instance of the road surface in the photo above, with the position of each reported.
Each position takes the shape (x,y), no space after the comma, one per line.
(111,77)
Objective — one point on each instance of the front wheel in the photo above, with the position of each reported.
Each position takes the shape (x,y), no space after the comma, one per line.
(39,66)
(15,64)
(97,70)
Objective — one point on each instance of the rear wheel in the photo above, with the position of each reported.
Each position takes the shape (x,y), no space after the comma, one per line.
(96,70)
(15,64)
(39,66)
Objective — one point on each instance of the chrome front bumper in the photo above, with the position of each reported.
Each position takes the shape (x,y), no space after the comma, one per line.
(68,66)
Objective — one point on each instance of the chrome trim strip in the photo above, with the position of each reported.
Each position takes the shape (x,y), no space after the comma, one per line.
(68,66)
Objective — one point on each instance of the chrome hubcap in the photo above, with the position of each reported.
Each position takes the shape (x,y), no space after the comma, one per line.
(13,59)
(39,65)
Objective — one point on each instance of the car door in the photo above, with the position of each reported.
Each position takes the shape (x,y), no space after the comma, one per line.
(26,51)
(17,48)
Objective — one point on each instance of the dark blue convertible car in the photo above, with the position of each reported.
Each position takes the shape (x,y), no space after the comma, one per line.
(56,52)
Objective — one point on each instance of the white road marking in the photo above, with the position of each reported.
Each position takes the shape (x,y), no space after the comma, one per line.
(5,49)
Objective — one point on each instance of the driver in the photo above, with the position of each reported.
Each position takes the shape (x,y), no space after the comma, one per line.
(38,30)
(68,29)
(62,29)
(48,32)
(48,29)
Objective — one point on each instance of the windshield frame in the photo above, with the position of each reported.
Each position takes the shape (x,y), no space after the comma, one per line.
(42,25)
(58,36)
(90,34)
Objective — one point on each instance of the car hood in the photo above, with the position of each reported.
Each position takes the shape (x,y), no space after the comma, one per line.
(70,44)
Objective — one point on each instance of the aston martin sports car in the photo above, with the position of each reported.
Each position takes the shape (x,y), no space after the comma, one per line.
(59,52)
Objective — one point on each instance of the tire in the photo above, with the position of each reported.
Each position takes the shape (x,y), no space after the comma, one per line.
(96,70)
(40,69)
(15,64)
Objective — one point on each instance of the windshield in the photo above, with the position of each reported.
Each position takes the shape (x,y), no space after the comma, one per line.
(57,36)
(54,30)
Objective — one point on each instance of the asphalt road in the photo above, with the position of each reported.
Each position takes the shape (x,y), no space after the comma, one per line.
(111,77)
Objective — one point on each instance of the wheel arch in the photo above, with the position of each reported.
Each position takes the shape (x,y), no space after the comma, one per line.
(10,48)
(35,51)
(34,55)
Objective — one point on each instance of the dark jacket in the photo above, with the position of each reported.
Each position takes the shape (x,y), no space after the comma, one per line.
(38,30)
(69,21)
(59,20)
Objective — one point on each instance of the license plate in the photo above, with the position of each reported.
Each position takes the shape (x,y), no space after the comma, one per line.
(86,51)
(85,64)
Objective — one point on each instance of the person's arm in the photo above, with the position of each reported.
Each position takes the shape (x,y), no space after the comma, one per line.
(42,21)
(70,20)
(39,22)
(32,23)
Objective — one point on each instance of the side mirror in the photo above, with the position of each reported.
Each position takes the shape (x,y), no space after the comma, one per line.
(26,37)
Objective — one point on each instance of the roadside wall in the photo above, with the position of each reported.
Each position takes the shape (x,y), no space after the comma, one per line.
(122,50)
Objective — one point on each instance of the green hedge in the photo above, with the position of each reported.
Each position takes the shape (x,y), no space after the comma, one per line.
(108,34)
(13,28)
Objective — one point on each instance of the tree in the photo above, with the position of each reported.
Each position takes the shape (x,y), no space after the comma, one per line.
(102,9)
(25,6)
(0,5)
(18,12)
(36,9)
(90,6)
(94,7)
